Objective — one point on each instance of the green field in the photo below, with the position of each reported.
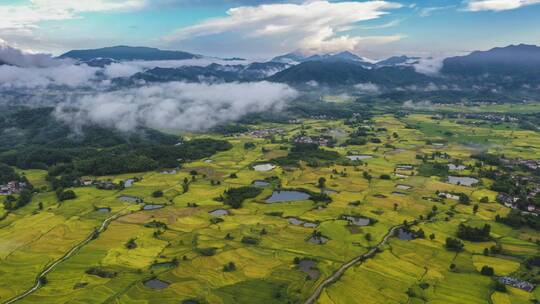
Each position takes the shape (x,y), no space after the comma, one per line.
(403,271)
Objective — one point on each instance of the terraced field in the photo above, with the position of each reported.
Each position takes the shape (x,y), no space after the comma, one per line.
(181,249)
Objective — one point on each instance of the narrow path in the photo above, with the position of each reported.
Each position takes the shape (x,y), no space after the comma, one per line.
(47,270)
(338,273)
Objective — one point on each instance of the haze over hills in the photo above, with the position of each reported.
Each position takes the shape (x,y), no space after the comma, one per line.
(510,60)
(512,71)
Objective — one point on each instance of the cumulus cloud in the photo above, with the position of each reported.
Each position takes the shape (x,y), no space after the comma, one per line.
(313,26)
(13,16)
(429,66)
(175,105)
(13,56)
(368,88)
(498,5)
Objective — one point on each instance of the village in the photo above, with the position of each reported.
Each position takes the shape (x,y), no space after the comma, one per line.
(13,187)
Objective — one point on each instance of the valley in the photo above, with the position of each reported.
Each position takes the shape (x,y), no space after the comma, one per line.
(376,226)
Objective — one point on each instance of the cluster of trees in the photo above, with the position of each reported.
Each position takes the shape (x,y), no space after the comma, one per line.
(64,195)
(101,272)
(517,219)
(433,169)
(42,142)
(235,197)
(11,203)
(7,174)
(309,153)
(453,244)
(474,234)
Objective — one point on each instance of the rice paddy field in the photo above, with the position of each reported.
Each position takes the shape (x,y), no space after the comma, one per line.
(181,246)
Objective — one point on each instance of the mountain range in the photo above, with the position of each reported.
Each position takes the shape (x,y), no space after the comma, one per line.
(512,67)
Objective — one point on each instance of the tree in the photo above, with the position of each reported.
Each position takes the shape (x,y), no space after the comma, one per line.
(65,195)
(157,193)
(322,182)
(475,208)
(229,267)
(487,271)
(368,237)
(131,244)
(432,236)
(454,244)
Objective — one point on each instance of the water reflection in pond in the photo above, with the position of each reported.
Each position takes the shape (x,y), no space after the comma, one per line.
(462,180)
(357,221)
(298,222)
(405,235)
(319,240)
(309,267)
(103,209)
(261,184)
(130,199)
(219,212)
(287,196)
(156,284)
(152,207)
(263,167)
(359,157)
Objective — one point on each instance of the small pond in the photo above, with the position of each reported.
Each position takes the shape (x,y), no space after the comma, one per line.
(319,240)
(462,180)
(103,209)
(219,212)
(163,265)
(456,167)
(403,187)
(260,184)
(287,196)
(356,220)
(359,157)
(298,222)
(309,267)
(129,182)
(156,284)
(152,207)
(130,199)
(399,193)
(263,167)
(402,234)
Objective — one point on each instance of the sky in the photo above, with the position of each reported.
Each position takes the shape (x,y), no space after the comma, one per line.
(261,29)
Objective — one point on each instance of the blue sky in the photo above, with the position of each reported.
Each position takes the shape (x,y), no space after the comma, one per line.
(261,29)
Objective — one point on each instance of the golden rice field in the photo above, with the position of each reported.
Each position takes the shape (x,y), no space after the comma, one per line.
(404,271)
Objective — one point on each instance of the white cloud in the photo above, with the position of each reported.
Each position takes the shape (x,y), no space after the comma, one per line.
(175,105)
(498,5)
(429,66)
(313,26)
(368,88)
(29,15)
(428,11)
(32,78)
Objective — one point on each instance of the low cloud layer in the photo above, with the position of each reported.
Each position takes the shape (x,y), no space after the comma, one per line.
(23,70)
(175,105)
